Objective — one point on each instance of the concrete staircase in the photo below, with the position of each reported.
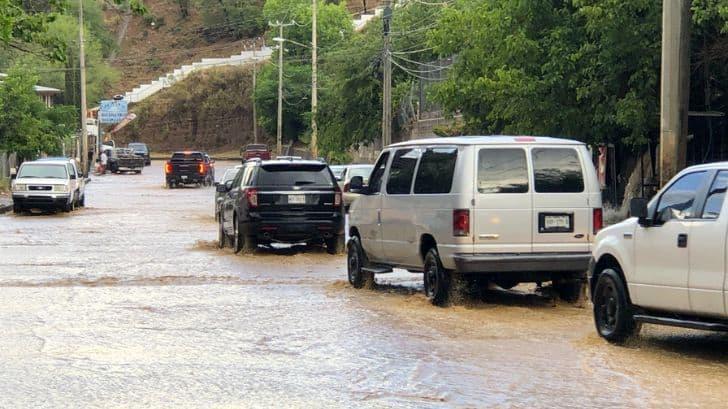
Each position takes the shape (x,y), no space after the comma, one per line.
(361,22)
(146,90)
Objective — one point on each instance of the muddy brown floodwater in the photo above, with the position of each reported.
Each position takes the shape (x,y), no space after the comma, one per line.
(128,303)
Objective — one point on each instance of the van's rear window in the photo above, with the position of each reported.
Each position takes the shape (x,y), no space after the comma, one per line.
(557,170)
(295,175)
(436,171)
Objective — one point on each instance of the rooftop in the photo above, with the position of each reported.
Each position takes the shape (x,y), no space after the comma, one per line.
(491,139)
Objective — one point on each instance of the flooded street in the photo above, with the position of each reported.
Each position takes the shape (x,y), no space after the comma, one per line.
(128,302)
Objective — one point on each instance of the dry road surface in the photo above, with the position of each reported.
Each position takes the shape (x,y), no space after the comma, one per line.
(128,303)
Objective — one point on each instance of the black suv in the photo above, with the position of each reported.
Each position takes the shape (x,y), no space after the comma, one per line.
(281,201)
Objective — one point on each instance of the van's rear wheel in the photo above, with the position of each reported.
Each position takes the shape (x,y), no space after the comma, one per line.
(437,280)
(355,262)
(569,290)
(613,315)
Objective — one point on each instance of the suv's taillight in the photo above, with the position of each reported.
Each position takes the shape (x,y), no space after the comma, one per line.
(168,168)
(461,222)
(252,196)
(337,199)
(597,220)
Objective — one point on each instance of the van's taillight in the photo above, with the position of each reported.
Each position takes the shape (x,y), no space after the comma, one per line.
(597,220)
(167,168)
(252,196)
(461,222)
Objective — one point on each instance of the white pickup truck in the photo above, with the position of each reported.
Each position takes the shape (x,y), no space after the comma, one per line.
(48,184)
(667,263)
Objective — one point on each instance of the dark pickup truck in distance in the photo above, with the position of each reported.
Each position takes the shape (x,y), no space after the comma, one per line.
(255,150)
(186,168)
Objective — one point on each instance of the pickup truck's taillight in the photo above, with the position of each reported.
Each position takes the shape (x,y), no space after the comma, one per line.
(597,220)
(202,168)
(167,168)
(460,222)
(252,197)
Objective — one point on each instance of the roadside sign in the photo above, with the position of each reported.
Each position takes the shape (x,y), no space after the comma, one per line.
(112,111)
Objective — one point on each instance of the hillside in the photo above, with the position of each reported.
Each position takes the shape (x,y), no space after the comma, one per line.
(163,40)
(209,110)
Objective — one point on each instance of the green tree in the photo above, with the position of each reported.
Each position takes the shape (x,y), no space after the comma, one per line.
(27,126)
(296,100)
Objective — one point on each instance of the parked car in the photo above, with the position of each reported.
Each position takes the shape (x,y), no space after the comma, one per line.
(281,201)
(48,185)
(349,172)
(501,209)
(255,150)
(229,175)
(141,149)
(186,168)
(667,263)
(124,160)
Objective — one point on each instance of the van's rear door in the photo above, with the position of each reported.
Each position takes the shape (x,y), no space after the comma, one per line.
(561,214)
(503,200)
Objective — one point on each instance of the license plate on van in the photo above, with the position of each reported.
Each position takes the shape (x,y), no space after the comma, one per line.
(555,222)
(296,199)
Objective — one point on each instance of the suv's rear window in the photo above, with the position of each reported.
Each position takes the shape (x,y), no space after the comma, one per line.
(435,174)
(294,175)
(557,170)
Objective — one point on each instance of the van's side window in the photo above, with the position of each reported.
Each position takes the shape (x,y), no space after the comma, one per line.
(716,194)
(401,172)
(435,174)
(502,171)
(375,181)
(557,170)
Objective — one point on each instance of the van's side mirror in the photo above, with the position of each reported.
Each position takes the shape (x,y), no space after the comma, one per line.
(356,185)
(638,209)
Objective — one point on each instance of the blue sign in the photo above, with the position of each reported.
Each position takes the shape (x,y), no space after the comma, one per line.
(112,111)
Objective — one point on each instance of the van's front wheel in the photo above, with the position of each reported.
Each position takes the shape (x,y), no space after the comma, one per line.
(355,262)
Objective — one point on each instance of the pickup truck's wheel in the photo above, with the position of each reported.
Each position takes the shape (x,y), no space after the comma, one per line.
(17,209)
(355,262)
(82,201)
(243,243)
(437,279)
(612,312)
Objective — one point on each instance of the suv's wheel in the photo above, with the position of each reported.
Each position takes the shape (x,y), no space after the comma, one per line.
(243,243)
(569,290)
(335,245)
(437,279)
(612,312)
(221,236)
(355,262)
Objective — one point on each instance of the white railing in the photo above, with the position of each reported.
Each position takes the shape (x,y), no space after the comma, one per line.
(146,90)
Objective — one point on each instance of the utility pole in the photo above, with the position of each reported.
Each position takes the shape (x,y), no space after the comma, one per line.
(675,87)
(314,82)
(82,67)
(255,116)
(280,40)
(387,82)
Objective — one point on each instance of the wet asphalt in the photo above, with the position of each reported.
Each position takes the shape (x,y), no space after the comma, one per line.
(128,303)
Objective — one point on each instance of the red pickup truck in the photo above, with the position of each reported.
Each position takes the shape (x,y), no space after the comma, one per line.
(255,150)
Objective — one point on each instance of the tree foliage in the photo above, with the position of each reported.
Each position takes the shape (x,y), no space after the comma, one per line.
(27,126)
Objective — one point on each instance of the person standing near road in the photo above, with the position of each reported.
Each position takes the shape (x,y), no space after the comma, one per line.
(104,161)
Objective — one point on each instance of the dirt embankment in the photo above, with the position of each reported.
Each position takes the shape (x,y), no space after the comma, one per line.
(209,110)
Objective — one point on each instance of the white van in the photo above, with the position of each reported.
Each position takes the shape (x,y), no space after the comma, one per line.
(505,209)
